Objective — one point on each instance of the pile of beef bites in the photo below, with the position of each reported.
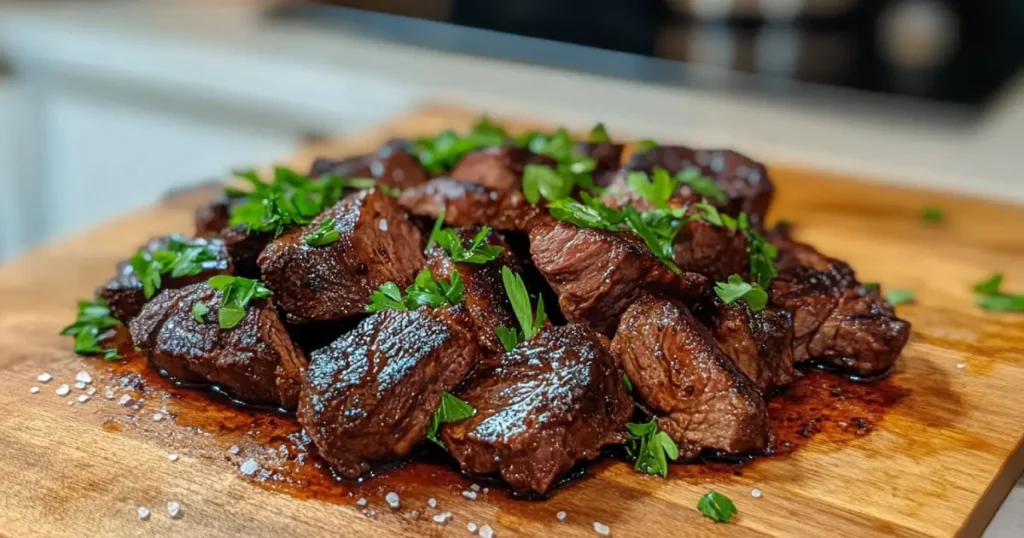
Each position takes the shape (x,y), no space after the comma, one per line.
(628,336)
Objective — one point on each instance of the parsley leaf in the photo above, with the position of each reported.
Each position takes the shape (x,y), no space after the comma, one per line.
(755,296)
(627,383)
(324,234)
(650,448)
(425,291)
(994,299)
(236,294)
(177,258)
(543,181)
(898,297)
(933,214)
(871,287)
(433,231)
(990,286)
(289,199)
(588,213)
(199,311)
(112,355)
(452,409)
(659,238)
(93,320)
(387,297)
(717,507)
(657,188)
(599,134)
(643,146)
(701,185)
(519,297)
(440,153)
(478,251)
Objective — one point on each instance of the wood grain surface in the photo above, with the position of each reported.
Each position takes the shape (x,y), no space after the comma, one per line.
(939,463)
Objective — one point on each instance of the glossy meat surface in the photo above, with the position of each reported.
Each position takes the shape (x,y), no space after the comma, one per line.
(760,343)
(469,204)
(499,168)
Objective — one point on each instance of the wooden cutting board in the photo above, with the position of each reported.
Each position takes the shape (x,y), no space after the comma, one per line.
(938,462)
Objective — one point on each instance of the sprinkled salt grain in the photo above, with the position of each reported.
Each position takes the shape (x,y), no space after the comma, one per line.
(234,449)
(44,378)
(383,225)
(361,502)
(172,457)
(72,402)
(250,467)
(755,493)
(63,390)
(109,394)
(79,385)
(91,391)
(486,490)
(392,500)
(471,495)
(83,377)
(415,513)
(560,516)
(157,417)
(602,529)
(961,365)
(486,531)
(173,509)
(143,513)
(34,390)
(432,502)
(83,398)
(471,527)
(442,517)
(125,400)
(475,487)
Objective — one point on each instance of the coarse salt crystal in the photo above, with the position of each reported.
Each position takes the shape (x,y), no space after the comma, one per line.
(72,402)
(63,390)
(602,529)
(392,500)
(486,531)
(173,509)
(560,516)
(79,385)
(432,502)
(157,417)
(83,398)
(361,502)
(415,513)
(143,513)
(442,517)
(44,378)
(91,391)
(83,377)
(383,225)
(234,449)
(755,493)
(34,390)
(250,467)
(109,394)
(486,490)
(471,527)
(475,487)
(172,457)
(125,400)
(961,365)
(471,495)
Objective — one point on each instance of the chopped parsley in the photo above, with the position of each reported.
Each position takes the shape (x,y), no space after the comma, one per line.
(93,320)
(657,188)
(425,291)
(452,409)
(477,252)
(717,507)
(933,215)
(199,312)
(994,299)
(898,297)
(289,199)
(701,185)
(735,288)
(438,223)
(599,135)
(324,234)
(871,287)
(643,146)
(541,181)
(236,294)
(990,286)
(627,383)
(440,153)
(589,212)
(530,322)
(177,259)
(658,229)
(650,448)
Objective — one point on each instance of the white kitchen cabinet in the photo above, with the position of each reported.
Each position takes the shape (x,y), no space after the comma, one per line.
(8,172)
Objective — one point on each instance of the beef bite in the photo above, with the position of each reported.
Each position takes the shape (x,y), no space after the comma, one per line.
(607,159)
(699,396)
(836,320)
(468,204)
(370,395)
(555,400)
(598,274)
(394,164)
(377,244)
(484,295)
(213,221)
(254,362)
(499,168)
(760,343)
(124,292)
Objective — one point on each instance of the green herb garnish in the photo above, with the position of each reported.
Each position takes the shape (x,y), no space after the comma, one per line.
(657,188)
(599,135)
(92,321)
(324,234)
(898,297)
(112,355)
(701,185)
(588,213)
(236,294)
(627,383)
(990,286)
(433,231)
(440,153)
(717,507)
(933,214)
(452,409)
(176,259)
(477,252)
(643,146)
(735,288)
(530,322)
(289,199)
(994,299)
(658,230)
(543,181)
(199,312)
(650,448)
(425,291)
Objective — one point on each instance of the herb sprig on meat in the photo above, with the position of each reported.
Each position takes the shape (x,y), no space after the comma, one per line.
(425,291)
(530,321)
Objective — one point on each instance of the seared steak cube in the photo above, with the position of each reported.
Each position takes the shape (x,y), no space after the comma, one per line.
(835,319)
(124,292)
(760,343)
(469,204)
(377,244)
(553,401)
(370,395)
(598,274)
(499,168)
(393,164)
(700,397)
(484,296)
(254,362)
(713,251)
(211,219)
(607,156)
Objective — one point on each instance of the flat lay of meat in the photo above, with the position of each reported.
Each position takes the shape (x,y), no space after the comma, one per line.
(598,275)
(835,319)
(485,298)
(760,343)
(377,244)
(469,204)
(499,168)
(698,394)
(370,395)
(555,400)
(394,164)
(124,293)
(254,362)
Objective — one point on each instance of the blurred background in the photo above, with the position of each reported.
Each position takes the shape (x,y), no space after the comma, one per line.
(108,105)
